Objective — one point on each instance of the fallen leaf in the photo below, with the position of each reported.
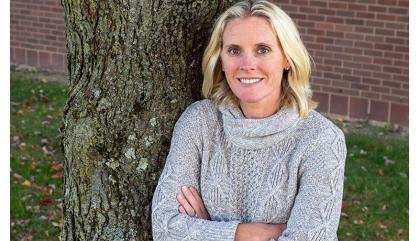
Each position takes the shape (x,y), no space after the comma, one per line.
(45,190)
(382,226)
(359,221)
(47,201)
(26,183)
(17,176)
(380,172)
(27,237)
(56,167)
(45,100)
(22,146)
(16,139)
(387,161)
(57,175)
(46,151)
(44,80)
(44,141)
(26,197)
(344,215)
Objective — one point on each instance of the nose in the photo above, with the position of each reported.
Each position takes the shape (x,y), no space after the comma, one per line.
(247,62)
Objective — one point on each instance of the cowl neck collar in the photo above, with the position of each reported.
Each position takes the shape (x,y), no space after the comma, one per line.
(257,133)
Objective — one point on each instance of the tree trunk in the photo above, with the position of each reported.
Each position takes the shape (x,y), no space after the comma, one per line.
(133,67)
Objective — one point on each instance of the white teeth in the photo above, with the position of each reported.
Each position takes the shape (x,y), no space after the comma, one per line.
(249,81)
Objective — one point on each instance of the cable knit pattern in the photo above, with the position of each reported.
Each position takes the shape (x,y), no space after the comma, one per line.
(280,169)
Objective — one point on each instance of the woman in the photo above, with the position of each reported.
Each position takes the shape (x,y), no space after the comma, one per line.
(268,166)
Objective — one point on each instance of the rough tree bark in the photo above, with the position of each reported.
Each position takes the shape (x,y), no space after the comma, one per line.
(133,67)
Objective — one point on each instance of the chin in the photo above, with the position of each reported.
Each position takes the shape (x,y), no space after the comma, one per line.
(249,99)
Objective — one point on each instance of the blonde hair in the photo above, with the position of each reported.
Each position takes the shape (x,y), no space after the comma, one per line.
(295,85)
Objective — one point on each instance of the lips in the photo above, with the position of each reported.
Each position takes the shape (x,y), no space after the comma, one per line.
(249,80)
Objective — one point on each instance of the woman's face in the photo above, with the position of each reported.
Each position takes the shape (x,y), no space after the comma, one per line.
(253,61)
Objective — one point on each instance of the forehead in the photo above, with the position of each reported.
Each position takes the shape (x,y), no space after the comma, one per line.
(249,30)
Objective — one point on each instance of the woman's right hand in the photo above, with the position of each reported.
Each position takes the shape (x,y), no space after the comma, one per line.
(258,231)
(191,203)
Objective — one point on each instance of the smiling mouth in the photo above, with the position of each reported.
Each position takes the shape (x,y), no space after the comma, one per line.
(250,80)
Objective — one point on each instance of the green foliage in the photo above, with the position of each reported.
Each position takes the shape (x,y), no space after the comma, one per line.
(375,205)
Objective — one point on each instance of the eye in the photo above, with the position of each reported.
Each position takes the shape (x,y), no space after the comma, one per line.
(263,50)
(233,51)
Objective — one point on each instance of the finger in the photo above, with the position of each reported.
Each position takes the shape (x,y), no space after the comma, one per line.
(185,204)
(198,197)
(195,193)
(182,210)
(196,203)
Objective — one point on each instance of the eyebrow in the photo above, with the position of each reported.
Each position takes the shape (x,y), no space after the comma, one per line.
(258,44)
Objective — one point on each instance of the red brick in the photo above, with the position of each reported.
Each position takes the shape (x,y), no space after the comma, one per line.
(383,61)
(402,11)
(386,47)
(19,56)
(354,21)
(392,69)
(381,75)
(341,84)
(372,23)
(391,84)
(400,92)
(323,101)
(32,58)
(379,110)
(399,114)
(342,91)
(373,8)
(321,81)
(386,17)
(358,108)
(357,7)
(339,105)
(395,99)
(333,19)
(380,89)
(360,86)
(338,5)
(44,60)
(370,95)
(402,78)
(362,73)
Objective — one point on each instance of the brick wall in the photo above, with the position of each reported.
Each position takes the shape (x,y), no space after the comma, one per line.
(360,50)
(361,54)
(37,35)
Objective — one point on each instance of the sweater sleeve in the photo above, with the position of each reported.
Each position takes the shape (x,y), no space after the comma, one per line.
(182,168)
(317,206)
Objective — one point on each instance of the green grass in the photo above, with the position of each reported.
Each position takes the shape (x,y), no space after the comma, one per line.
(35,117)
(375,197)
(376,193)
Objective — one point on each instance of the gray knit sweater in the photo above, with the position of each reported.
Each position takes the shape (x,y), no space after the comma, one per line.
(280,169)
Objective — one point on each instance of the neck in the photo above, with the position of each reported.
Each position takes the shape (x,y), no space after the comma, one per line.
(259,110)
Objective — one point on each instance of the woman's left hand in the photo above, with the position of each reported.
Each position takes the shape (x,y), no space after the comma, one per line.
(191,203)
